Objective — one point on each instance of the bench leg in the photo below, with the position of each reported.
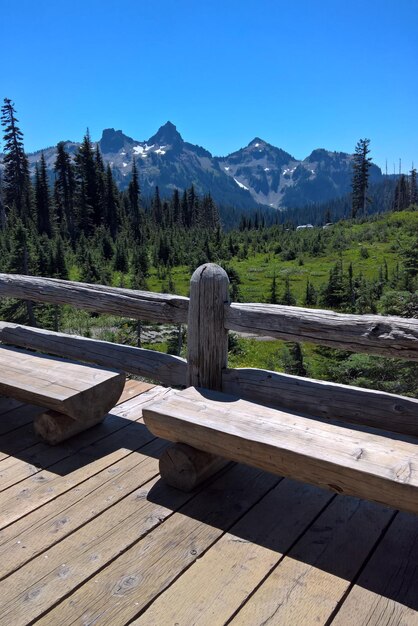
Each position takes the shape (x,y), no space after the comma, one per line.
(184,467)
(56,427)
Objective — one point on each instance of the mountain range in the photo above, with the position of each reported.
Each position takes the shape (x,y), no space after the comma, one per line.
(258,175)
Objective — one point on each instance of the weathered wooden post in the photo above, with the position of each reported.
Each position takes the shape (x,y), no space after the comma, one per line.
(182,466)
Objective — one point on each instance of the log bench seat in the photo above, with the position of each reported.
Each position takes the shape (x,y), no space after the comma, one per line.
(76,396)
(366,463)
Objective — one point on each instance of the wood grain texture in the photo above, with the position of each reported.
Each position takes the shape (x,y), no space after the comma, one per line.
(184,467)
(387,590)
(207,339)
(308,583)
(81,392)
(207,357)
(165,368)
(374,334)
(46,526)
(131,581)
(143,305)
(46,472)
(324,399)
(218,583)
(350,462)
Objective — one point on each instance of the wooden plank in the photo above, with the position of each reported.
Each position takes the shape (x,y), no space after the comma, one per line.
(40,583)
(86,455)
(375,334)
(22,415)
(307,585)
(82,392)
(18,439)
(164,368)
(134,388)
(117,593)
(386,591)
(351,462)
(40,530)
(8,404)
(324,399)
(143,305)
(218,583)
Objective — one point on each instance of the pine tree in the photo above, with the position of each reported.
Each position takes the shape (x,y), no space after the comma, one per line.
(64,191)
(413,188)
(176,207)
(42,199)
(89,201)
(360,181)
(112,209)
(19,262)
(332,295)
(273,291)
(16,181)
(120,261)
(157,208)
(401,200)
(293,360)
(59,264)
(311,295)
(287,298)
(135,213)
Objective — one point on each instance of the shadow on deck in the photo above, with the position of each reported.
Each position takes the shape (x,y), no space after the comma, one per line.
(90,534)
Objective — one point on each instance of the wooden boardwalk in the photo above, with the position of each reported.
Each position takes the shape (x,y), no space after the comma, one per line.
(90,535)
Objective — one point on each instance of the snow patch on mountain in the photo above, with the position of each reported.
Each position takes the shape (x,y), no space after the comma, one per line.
(241,185)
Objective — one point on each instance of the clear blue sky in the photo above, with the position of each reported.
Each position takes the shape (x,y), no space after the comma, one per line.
(300,74)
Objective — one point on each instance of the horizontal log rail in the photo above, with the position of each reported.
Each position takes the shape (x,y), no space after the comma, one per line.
(165,368)
(374,334)
(324,399)
(143,305)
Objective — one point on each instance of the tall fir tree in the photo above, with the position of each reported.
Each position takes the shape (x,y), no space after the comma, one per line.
(413,187)
(273,299)
(135,212)
(157,208)
(42,199)
(89,200)
(112,207)
(16,181)
(64,191)
(401,199)
(360,181)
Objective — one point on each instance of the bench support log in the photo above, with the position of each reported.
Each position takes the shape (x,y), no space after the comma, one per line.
(55,427)
(185,467)
(181,466)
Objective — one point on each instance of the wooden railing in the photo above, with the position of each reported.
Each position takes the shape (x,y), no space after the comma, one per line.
(209,316)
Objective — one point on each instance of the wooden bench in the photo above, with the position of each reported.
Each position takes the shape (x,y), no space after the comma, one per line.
(362,462)
(77,396)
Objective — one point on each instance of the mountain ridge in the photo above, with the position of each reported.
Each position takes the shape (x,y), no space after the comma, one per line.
(257,175)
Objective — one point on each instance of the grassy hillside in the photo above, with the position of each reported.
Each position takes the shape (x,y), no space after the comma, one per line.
(367,246)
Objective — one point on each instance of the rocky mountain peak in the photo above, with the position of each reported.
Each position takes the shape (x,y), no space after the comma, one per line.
(166,135)
(113,140)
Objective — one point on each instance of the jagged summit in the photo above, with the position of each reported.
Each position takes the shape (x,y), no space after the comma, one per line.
(257,142)
(113,140)
(166,134)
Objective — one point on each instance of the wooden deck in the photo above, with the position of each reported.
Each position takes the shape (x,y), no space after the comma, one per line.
(90,535)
